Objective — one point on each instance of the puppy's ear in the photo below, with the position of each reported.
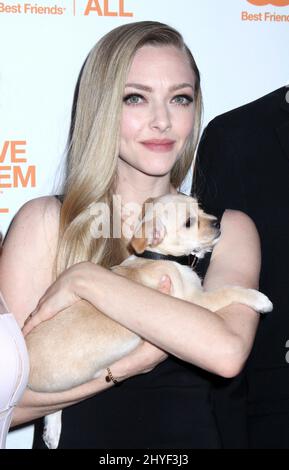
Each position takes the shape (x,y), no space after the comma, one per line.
(146,205)
(150,233)
(138,244)
(157,232)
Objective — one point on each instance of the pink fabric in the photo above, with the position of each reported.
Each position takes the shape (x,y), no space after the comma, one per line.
(14,368)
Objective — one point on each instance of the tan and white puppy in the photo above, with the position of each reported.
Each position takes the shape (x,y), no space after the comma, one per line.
(78,343)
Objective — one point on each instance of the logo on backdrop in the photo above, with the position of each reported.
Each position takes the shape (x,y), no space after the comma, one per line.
(103,8)
(275,3)
(267,16)
(14,171)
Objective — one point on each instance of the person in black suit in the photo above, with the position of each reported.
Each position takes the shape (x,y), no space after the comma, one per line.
(243,163)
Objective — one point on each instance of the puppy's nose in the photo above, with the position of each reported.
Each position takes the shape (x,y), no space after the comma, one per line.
(216,224)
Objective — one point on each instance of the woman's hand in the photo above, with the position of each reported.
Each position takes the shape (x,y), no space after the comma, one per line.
(60,295)
(140,361)
(66,290)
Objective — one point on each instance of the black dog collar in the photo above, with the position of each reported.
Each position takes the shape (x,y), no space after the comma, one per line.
(190,260)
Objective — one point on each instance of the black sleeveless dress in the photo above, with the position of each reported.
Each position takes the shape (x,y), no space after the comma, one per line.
(175,406)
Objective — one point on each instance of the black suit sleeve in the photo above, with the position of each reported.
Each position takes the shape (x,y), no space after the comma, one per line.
(217,184)
(217,181)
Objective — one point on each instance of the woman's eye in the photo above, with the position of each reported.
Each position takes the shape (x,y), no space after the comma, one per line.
(183,100)
(133,99)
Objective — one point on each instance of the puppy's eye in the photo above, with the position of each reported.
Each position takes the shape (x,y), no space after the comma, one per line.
(190,222)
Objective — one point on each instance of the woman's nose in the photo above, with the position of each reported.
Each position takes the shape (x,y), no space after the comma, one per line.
(160,118)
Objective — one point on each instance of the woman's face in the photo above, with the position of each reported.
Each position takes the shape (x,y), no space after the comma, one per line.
(158,110)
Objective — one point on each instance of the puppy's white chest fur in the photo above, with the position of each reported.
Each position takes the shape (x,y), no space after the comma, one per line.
(93,340)
(186,284)
(185,281)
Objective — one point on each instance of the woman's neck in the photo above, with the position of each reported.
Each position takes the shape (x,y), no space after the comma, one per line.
(140,188)
(132,192)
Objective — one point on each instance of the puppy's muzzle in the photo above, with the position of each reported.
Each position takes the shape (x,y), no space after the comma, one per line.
(216,228)
(216,224)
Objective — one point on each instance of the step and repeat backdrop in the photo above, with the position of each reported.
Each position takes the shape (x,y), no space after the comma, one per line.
(241,47)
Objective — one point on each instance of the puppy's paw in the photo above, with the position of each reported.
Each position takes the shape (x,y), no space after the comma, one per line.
(262,304)
(52,430)
(165,285)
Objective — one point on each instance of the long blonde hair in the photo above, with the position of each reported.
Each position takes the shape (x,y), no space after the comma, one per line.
(95,138)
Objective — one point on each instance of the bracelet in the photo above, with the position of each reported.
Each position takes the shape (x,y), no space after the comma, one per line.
(110,377)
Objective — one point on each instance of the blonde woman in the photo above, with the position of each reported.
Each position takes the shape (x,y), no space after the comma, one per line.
(134,132)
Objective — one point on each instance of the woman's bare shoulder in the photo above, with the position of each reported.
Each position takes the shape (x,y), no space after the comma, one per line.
(234,219)
(28,253)
(238,233)
(236,257)
(39,216)
(43,206)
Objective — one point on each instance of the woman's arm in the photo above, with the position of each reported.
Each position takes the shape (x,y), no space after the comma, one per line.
(35,405)
(25,274)
(218,342)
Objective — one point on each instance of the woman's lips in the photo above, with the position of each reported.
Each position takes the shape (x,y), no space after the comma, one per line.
(158,145)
